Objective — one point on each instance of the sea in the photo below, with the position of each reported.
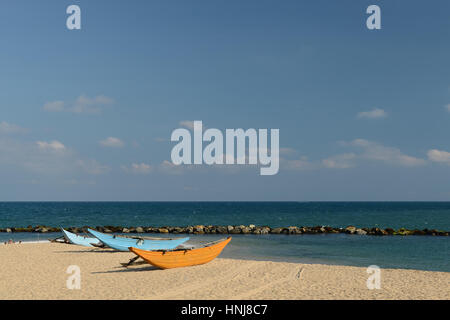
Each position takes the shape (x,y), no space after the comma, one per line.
(407,252)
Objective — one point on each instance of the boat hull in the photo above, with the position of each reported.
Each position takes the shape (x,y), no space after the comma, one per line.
(80,240)
(123,243)
(181,258)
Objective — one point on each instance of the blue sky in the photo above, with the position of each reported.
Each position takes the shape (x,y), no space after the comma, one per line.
(87,114)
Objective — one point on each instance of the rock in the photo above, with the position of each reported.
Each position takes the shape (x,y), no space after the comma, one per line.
(402,232)
(199,229)
(178,230)
(377,232)
(245,230)
(265,230)
(293,230)
(115,229)
(221,230)
(241,229)
(361,232)
(276,230)
(331,230)
(350,229)
(312,230)
(235,230)
(260,230)
(140,230)
(209,229)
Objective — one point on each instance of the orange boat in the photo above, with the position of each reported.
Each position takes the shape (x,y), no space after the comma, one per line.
(167,259)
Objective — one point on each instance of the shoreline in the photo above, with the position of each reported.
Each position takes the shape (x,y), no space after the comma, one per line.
(259,259)
(38,271)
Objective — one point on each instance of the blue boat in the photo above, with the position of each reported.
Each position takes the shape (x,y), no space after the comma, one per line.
(123,243)
(80,240)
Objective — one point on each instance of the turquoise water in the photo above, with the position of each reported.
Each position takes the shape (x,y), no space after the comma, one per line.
(413,252)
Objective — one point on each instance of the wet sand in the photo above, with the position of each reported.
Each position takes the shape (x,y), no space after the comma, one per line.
(39,271)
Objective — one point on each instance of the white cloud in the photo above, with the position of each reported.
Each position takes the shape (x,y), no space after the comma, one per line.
(439,156)
(170,168)
(187,124)
(83,104)
(138,168)
(297,164)
(45,158)
(340,161)
(91,166)
(378,152)
(54,145)
(54,106)
(112,142)
(8,128)
(373,114)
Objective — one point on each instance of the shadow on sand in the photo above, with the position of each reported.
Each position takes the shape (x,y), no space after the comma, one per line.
(90,251)
(147,267)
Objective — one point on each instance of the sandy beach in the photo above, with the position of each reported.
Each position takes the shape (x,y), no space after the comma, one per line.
(38,271)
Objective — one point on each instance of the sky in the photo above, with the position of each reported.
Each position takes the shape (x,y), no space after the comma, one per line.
(87,115)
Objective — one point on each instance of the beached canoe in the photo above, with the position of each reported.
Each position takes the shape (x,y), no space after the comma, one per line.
(122,243)
(80,240)
(182,257)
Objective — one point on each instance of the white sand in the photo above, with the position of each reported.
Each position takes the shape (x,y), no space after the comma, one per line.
(38,271)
